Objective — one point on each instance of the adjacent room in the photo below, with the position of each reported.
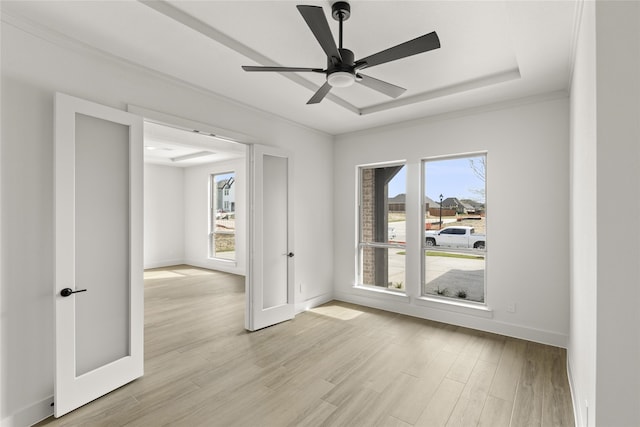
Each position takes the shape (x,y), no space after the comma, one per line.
(320,213)
(194,192)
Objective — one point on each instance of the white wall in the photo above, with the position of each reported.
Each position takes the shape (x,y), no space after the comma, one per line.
(604,348)
(527,219)
(196,205)
(176,216)
(618,178)
(33,69)
(164,216)
(581,351)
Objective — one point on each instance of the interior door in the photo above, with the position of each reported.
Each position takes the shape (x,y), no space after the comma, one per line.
(270,289)
(98,251)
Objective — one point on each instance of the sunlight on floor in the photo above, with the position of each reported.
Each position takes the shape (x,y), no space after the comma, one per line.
(153,274)
(337,312)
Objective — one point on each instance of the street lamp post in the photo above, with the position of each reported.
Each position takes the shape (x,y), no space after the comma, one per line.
(440,212)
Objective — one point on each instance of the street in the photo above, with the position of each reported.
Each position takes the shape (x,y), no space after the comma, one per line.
(444,275)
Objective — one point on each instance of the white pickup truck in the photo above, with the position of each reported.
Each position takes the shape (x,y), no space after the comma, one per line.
(456,236)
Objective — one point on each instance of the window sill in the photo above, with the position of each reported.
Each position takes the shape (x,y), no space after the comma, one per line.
(455,306)
(374,291)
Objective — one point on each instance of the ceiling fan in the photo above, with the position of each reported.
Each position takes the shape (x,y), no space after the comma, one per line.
(342,68)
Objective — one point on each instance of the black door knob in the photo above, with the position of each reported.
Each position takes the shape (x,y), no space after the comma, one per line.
(290,254)
(68,291)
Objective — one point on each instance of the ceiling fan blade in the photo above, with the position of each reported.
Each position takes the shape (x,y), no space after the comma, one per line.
(282,69)
(320,94)
(317,22)
(420,44)
(381,86)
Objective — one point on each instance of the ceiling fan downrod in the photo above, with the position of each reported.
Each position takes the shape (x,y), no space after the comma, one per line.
(341,11)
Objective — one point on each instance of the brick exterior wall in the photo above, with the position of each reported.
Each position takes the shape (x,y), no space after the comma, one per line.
(368,224)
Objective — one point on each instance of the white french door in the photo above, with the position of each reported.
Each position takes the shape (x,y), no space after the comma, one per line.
(270,290)
(99,291)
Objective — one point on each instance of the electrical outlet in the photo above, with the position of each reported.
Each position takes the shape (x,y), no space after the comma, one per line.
(511,307)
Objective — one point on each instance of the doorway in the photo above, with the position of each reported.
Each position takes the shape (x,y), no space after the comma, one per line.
(187,218)
(268,170)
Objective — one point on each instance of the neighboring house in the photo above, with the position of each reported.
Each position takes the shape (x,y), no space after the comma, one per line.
(397,203)
(226,195)
(464,206)
(429,203)
(473,206)
(455,204)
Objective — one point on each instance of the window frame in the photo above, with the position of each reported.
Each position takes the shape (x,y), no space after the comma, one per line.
(361,244)
(429,299)
(212,211)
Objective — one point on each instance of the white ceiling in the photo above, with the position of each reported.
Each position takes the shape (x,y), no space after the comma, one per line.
(169,146)
(492,51)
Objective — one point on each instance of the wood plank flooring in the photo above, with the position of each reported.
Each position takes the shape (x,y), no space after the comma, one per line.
(336,365)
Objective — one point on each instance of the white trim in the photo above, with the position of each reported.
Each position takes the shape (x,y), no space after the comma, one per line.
(173,121)
(453,89)
(578,421)
(54,37)
(212,264)
(434,301)
(30,415)
(575,36)
(496,106)
(457,306)
(313,302)
(383,294)
(165,263)
(458,319)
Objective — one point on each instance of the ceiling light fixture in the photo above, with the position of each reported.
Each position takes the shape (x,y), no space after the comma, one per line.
(155,148)
(341,79)
(192,156)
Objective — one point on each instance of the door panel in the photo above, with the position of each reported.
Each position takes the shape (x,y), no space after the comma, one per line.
(102,248)
(275,243)
(98,184)
(270,295)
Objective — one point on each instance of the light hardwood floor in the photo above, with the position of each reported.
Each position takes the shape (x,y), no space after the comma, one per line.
(339,364)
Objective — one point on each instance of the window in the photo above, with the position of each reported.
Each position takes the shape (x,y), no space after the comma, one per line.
(455,228)
(382,226)
(222,217)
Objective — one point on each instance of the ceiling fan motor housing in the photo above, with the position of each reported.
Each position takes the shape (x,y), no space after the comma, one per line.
(341,73)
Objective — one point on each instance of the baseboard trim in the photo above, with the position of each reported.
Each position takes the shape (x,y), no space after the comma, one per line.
(226,266)
(458,319)
(313,302)
(31,414)
(161,264)
(574,400)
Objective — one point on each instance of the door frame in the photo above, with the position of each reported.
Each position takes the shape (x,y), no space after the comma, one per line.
(249,141)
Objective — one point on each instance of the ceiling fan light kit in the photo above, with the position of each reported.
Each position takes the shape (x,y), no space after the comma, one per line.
(342,68)
(341,79)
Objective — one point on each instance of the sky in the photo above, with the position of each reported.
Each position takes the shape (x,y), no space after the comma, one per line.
(449,177)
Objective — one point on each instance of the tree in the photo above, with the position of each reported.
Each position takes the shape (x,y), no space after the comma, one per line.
(479,167)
